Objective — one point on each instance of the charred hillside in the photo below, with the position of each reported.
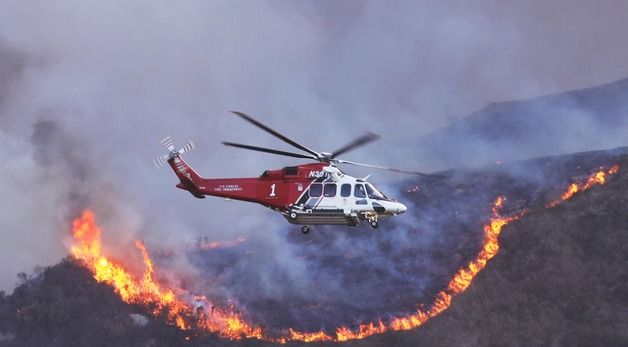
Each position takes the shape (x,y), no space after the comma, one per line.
(559,278)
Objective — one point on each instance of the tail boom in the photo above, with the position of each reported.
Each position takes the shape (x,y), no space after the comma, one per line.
(188,177)
(232,188)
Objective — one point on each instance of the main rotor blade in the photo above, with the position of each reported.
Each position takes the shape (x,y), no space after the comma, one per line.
(276,134)
(360,141)
(268,150)
(418,173)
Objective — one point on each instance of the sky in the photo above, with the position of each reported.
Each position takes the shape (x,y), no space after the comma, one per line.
(87,91)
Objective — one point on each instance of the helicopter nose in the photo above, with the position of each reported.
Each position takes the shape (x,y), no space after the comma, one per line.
(401,208)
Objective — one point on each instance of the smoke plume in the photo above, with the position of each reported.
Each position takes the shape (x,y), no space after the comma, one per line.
(88,90)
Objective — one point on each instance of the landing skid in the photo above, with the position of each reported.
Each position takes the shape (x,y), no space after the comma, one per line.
(321,217)
(309,217)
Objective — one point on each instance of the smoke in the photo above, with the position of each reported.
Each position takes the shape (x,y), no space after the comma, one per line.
(87,92)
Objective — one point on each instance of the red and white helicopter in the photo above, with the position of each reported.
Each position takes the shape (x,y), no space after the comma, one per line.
(315,193)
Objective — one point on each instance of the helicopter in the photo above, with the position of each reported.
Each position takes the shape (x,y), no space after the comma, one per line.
(316,193)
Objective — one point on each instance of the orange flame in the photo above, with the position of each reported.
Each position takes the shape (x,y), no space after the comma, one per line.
(145,290)
(596,178)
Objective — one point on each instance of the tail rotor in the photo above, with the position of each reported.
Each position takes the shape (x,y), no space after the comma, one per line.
(168,144)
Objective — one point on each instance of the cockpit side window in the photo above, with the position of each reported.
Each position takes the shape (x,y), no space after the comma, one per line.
(359,191)
(374,193)
(316,190)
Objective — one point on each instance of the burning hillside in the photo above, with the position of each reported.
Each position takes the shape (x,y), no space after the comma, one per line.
(147,292)
(471,239)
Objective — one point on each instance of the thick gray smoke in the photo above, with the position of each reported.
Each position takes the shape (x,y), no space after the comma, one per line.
(88,90)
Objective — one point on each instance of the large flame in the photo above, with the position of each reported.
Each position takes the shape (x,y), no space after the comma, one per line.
(199,313)
(146,291)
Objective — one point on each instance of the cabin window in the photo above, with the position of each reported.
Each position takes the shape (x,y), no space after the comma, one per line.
(359,191)
(345,190)
(329,190)
(316,190)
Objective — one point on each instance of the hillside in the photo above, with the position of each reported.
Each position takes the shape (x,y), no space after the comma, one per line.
(559,278)
(580,120)
(64,306)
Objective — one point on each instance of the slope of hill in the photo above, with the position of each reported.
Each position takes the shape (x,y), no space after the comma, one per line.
(64,306)
(560,277)
(591,118)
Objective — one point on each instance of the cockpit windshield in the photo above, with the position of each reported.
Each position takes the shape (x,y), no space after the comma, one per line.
(373,193)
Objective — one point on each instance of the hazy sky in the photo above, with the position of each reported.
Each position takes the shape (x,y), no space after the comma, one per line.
(87,90)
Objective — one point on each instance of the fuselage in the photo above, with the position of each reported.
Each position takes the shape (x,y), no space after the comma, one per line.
(315,193)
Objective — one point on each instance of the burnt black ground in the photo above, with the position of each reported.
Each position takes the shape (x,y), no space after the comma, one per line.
(559,279)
